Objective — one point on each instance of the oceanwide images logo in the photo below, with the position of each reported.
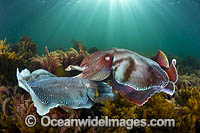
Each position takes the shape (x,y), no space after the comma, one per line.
(46,121)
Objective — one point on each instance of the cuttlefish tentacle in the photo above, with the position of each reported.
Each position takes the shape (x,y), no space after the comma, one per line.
(73,67)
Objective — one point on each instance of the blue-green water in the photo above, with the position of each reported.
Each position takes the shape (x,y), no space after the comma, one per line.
(140,25)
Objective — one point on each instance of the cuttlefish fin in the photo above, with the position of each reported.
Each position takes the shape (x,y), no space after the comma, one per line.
(170,88)
(22,78)
(161,59)
(172,72)
(72,67)
(42,108)
(140,97)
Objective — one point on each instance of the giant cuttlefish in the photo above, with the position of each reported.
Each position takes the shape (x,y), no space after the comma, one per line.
(48,91)
(136,77)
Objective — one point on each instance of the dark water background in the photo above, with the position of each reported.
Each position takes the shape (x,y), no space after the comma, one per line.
(140,25)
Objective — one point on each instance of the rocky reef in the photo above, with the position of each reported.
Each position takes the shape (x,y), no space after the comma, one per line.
(16,104)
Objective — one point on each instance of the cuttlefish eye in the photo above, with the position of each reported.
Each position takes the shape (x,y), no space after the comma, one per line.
(108,58)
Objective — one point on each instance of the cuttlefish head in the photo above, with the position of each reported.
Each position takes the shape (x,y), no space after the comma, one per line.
(97,66)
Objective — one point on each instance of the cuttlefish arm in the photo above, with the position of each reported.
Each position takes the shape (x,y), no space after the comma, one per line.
(162,60)
(87,62)
(78,68)
(73,67)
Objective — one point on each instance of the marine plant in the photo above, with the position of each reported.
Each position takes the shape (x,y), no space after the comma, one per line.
(183,107)
(189,80)
(9,61)
(188,98)
(187,65)
(118,109)
(62,56)
(15,103)
(25,47)
(56,61)
(48,62)
(79,47)
(77,53)
(92,50)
